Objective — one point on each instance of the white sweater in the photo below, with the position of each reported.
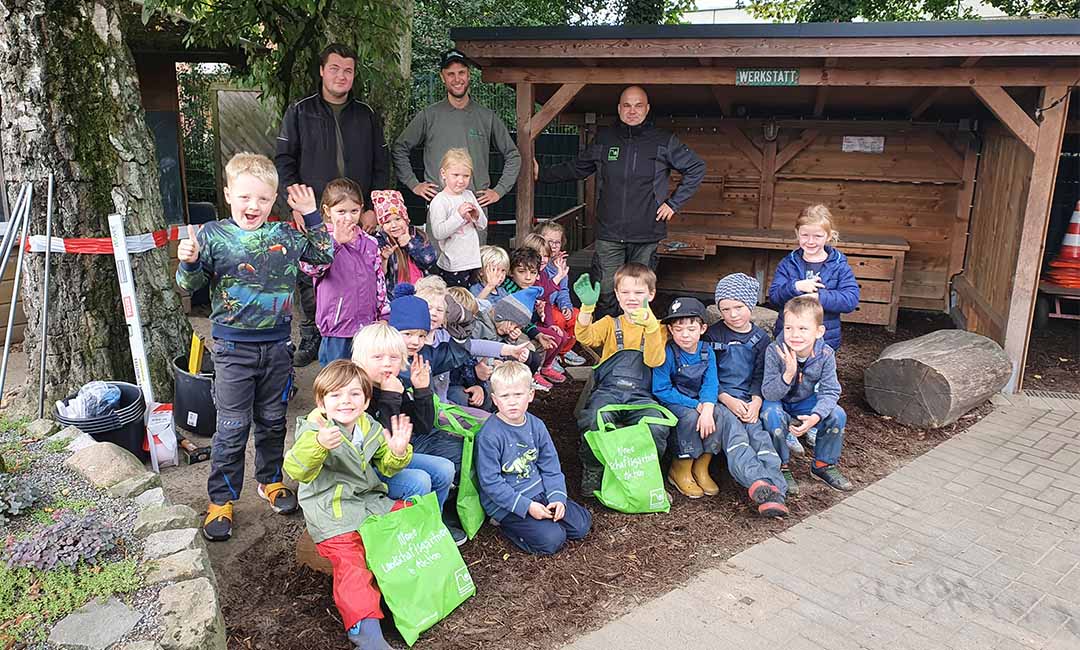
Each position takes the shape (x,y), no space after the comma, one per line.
(458,241)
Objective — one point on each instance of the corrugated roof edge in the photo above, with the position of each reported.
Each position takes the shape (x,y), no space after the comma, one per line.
(943,28)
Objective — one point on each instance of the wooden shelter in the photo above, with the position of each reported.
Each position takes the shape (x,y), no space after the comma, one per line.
(935,144)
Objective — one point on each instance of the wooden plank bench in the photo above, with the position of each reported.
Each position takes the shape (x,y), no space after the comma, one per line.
(877,262)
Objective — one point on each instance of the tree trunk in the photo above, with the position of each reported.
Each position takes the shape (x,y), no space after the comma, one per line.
(932,380)
(70,104)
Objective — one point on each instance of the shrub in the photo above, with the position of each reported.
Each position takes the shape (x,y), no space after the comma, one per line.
(65,543)
(16,497)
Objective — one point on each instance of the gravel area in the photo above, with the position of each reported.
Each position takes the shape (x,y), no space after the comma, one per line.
(46,470)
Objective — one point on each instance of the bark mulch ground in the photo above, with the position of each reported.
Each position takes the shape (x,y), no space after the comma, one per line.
(528,602)
(1053,361)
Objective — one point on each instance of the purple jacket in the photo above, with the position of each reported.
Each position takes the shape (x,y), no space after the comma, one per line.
(351,292)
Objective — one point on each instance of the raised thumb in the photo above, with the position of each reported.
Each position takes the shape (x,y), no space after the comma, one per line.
(191,232)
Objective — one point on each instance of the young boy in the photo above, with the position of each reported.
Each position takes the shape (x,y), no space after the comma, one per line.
(251,266)
(686,385)
(632,345)
(740,348)
(338,449)
(525,273)
(558,270)
(494,265)
(517,467)
(800,389)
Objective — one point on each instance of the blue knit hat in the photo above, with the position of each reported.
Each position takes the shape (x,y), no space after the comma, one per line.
(738,286)
(518,307)
(407,312)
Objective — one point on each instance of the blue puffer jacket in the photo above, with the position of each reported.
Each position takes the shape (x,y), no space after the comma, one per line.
(840,295)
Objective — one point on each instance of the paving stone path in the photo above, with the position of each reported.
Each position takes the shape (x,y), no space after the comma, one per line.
(974,545)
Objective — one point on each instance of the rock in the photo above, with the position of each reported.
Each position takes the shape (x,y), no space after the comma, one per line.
(191,616)
(932,380)
(763,317)
(42,428)
(94,626)
(167,542)
(105,464)
(185,565)
(151,498)
(308,556)
(135,486)
(78,439)
(142,645)
(158,518)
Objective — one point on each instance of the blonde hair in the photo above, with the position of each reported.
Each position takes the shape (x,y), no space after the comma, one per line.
(464,297)
(456,157)
(509,374)
(338,374)
(379,337)
(803,306)
(536,242)
(252,164)
(494,255)
(637,272)
(818,215)
(552,226)
(431,288)
(340,190)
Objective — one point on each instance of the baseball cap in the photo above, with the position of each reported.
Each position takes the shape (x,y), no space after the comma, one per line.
(453,56)
(684,308)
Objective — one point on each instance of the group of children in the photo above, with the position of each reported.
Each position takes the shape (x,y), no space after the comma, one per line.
(412,331)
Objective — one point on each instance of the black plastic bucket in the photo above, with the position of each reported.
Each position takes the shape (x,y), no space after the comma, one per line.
(193,398)
(124,426)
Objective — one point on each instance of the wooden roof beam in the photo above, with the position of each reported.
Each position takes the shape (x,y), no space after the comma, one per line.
(1015,119)
(823,91)
(795,148)
(932,96)
(725,76)
(555,105)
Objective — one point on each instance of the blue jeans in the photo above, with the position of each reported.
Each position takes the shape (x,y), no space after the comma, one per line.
(545,536)
(776,416)
(332,348)
(423,474)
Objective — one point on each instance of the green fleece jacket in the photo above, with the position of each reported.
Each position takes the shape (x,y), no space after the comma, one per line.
(339,488)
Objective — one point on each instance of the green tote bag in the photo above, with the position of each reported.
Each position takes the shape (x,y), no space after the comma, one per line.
(416,565)
(456,420)
(632,480)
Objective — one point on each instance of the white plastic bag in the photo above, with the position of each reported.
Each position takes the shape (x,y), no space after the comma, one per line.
(159,425)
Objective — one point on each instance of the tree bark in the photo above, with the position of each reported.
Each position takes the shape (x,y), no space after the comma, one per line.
(70,104)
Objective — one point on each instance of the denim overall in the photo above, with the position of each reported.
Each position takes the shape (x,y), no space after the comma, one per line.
(623,378)
(748,447)
(687,380)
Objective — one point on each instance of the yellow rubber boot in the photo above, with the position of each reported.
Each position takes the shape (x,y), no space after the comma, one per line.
(701,476)
(681,477)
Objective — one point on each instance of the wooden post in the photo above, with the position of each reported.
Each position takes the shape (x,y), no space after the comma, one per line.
(768,186)
(1011,115)
(1033,230)
(526,142)
(964,200)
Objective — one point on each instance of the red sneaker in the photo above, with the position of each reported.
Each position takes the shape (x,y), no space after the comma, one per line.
(542,384)
(553,375)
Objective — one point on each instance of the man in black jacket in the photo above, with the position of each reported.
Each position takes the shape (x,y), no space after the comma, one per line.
(326,136)
(635,160)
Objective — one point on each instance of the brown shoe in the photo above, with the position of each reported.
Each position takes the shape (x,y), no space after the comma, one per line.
(700,472)
(681,477)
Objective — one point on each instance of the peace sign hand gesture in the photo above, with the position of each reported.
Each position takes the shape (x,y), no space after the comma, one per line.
(399,435)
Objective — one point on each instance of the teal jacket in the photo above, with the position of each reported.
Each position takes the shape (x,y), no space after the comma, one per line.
(339,488)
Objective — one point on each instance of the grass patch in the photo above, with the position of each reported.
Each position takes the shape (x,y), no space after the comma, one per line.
(32,600)
(46,514)
(9,423)
(57,446)
(17,458)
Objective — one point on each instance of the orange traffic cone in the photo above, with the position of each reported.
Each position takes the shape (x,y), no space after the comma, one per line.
(1065,268)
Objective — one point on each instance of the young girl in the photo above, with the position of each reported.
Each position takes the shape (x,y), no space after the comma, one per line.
(455,217)
(817,270)
(339,446)
(350,292)
(494,265)
(559,318)
(406,253)
(558,269)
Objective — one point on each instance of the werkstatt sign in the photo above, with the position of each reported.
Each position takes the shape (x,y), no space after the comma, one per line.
(767,77)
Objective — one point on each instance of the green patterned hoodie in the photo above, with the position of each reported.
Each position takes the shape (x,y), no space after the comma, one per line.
(252,274)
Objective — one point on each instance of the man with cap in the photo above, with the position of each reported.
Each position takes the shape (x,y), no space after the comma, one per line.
(739,347)
(324,136)
(634,160)
(457,122)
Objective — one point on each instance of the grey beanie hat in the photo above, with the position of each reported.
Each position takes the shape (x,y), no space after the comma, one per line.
(738,286)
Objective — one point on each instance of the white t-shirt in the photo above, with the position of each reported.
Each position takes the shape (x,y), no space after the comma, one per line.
(458,240)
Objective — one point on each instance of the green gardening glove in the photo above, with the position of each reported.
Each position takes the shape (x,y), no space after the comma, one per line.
(588,292)
(644,317)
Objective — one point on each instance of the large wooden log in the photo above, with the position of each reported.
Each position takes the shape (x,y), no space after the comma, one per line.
(932,380)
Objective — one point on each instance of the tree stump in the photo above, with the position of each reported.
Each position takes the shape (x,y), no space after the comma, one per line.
(932,380)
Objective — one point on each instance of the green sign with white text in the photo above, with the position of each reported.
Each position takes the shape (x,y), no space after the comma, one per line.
(767,77)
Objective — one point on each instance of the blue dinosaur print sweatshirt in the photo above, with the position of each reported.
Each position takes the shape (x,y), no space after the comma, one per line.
(516,463)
